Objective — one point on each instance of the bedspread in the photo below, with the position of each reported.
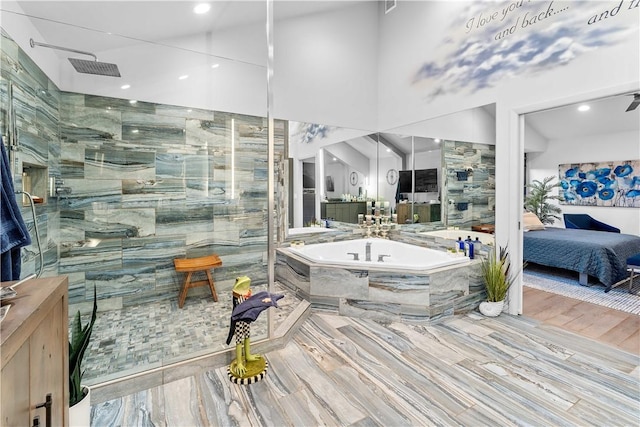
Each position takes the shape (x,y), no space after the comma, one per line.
(597,253)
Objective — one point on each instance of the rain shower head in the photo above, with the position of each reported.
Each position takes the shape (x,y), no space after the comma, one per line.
(95,67)
(82,65)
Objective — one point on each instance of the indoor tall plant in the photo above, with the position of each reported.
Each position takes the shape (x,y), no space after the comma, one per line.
(78,343)
(537,201)
(498,278)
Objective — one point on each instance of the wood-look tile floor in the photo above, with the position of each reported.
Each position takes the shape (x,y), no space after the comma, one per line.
(467,370)
(613,327)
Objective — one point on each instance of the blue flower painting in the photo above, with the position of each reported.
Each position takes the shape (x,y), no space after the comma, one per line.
(601,184)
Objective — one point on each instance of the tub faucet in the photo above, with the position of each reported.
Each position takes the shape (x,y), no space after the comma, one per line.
(381,257)
(367,256)
(355,255)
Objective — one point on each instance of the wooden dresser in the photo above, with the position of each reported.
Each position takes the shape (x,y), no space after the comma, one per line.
(35,353)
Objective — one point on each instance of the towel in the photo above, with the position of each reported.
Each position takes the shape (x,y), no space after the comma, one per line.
(13,231)
(249,310)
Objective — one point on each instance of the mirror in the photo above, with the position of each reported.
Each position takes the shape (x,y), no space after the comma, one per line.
(465,159)
(428,175)
(332,173)
(416,191)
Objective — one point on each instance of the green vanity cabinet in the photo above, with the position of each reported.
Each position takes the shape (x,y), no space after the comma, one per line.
(427,212)
(343,211)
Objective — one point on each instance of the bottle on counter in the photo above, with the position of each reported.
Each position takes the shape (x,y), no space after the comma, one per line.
(469,248)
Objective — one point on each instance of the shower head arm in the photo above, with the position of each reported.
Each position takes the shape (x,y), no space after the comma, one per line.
(50,46)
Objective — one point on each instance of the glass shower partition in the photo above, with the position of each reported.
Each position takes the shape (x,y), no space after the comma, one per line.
(175,165)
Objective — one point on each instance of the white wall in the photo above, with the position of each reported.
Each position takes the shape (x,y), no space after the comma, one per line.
(387,192)
(431,64)
(325,67)
(470,125)
(533,141)
(21,31)
(350,156)
(338,172)
(615,147)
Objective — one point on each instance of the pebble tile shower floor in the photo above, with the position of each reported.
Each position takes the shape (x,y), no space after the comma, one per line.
(141,337)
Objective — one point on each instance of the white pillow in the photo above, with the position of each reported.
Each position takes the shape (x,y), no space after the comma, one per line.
(531,222)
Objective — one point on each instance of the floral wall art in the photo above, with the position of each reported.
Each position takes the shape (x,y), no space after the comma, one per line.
(613,183)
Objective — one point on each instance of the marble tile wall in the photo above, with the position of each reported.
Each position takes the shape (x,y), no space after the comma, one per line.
(35,104)
(140,184)
(148,183)
(477,191)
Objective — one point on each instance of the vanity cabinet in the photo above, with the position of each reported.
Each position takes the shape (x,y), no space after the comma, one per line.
(343,211)
(428,212)
(34,353)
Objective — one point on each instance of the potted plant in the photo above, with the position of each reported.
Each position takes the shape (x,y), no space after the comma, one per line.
(537,201)
(496,273)
(79,399)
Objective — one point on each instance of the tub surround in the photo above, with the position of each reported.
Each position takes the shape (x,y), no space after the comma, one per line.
(382,293)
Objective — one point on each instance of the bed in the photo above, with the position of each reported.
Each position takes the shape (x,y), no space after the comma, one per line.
(590,253)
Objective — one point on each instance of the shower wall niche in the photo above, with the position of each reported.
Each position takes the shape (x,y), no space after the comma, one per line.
(35,181)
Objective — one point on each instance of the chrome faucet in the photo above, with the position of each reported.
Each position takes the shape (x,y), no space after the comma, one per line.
(367,256)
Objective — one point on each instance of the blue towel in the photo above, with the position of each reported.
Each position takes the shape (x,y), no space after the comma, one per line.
(13,231)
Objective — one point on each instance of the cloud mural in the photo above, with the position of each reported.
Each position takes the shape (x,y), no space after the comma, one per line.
(494,41)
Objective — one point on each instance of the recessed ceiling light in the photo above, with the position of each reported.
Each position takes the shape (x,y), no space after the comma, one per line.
(201,8)
(132,101)
(215,65)
(436,140)
(388,150)
(135,131)
(584,107)
(186,76)
(125,86)
(335,160)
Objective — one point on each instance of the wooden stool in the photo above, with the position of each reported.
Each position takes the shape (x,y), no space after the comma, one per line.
(192,265)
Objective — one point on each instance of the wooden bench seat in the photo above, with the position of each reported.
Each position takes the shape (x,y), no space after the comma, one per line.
(193,265)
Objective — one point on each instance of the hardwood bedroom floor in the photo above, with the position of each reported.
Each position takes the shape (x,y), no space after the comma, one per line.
(613,327)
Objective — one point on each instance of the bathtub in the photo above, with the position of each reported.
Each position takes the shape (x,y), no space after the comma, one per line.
(393,255)
(413,283)
(485,238)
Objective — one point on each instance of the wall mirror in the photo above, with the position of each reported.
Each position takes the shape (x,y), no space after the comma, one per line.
(461,147)
(332,173)
(432,174)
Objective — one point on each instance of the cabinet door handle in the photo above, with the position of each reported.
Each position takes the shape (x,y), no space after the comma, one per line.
(47,406)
